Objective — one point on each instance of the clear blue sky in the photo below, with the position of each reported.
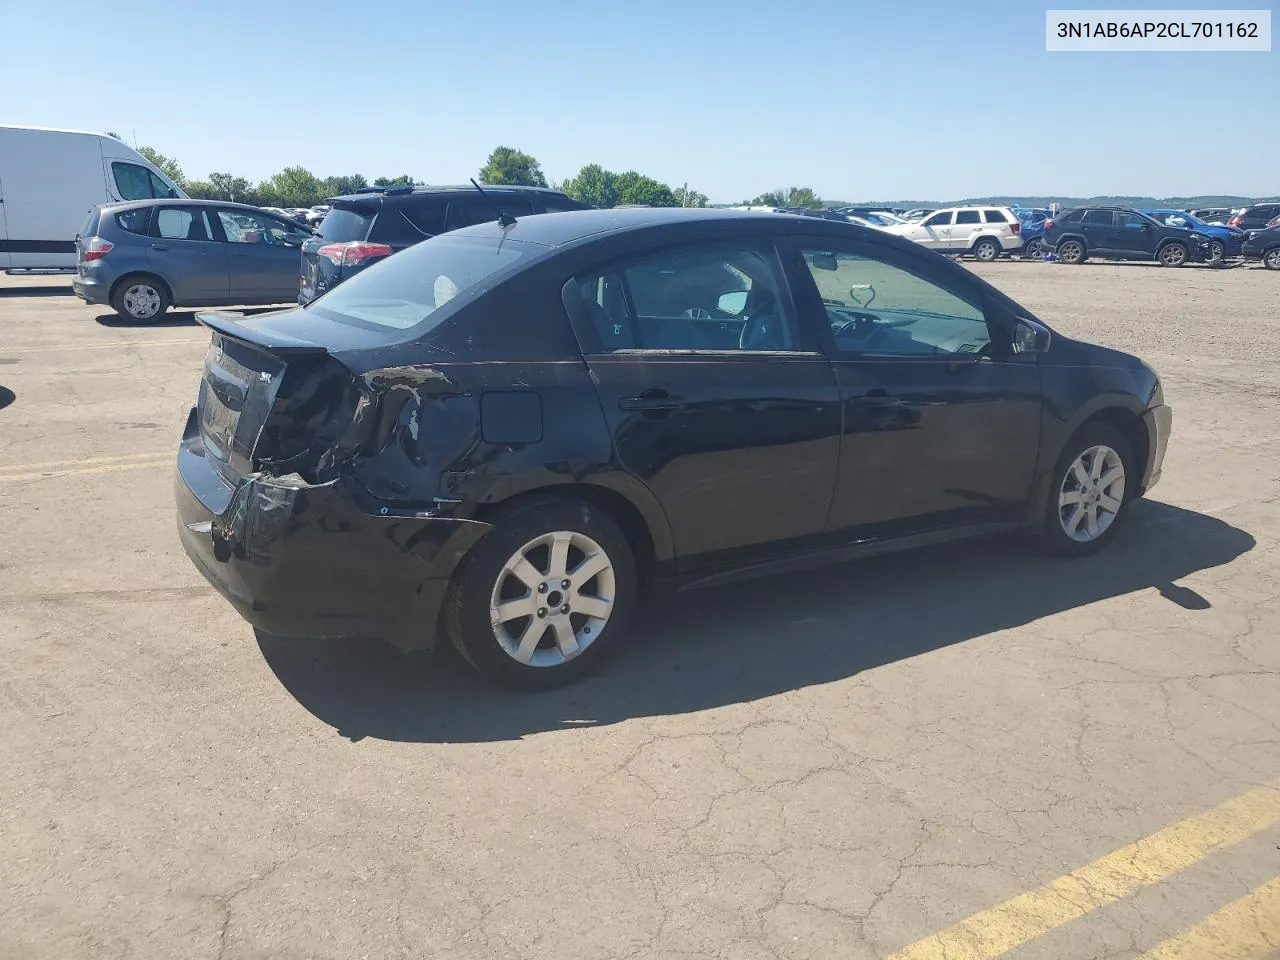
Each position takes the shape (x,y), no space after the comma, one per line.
(860,100)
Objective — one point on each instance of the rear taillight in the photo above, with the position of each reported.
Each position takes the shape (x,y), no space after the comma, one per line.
(1048,224)
(354,253)
(1015,227)
(95,248)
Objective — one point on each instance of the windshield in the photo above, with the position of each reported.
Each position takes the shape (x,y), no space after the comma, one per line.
(1174,218)
(408,289)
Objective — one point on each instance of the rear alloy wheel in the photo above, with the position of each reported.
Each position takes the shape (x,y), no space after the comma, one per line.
(1031,249)
(1173,255)
(140,299)
(986,250)
(1216,252)
(541,599)
(1093,485)
(1071,252)
(1271,259)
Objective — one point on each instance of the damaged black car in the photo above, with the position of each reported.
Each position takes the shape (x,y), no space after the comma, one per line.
(503,435)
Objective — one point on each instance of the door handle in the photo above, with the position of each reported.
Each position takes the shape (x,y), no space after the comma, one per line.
(236,253)
(651,401)
(159,246)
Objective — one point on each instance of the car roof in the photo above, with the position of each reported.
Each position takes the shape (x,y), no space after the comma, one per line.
(180,201)
(445,189)
(560,229)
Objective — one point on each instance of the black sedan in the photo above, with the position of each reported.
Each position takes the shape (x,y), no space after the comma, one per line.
(1263,245)
(501,434)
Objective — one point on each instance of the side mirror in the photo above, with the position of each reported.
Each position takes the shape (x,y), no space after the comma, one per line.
(824,261)
(1030,336)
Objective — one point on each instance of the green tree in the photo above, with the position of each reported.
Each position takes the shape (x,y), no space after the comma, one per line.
(512,166)
(223,186)
(637,189)
(594,186)
(293,187)
(338,186)
(788,197)
(689,198)
(166,165)
(404,180)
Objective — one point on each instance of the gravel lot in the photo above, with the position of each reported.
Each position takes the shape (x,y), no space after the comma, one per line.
(829,765)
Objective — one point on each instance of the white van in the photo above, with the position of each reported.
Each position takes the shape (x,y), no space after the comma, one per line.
(51,179)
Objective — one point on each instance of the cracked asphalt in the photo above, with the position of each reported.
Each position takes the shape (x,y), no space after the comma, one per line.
(834,764)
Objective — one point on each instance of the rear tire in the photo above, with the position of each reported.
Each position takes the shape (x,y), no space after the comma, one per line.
(1271,259)
(986,249)
(1172,254)
(139,298)
(529,560)
(1084,510)
(1071,252)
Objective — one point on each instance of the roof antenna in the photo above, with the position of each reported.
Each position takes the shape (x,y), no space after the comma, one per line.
(504,219)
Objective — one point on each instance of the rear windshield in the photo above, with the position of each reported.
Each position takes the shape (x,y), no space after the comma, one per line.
(90,227)
(344,224)
(412,286)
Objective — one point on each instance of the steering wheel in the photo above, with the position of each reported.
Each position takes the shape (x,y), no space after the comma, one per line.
(697,313)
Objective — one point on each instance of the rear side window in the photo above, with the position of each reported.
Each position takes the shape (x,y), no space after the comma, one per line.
(995,216)
(134,221)
(427,218)
(407,290)
(344,224)
(967,216)
(1074,216)
(1098,218)
(135,182)
(472,210)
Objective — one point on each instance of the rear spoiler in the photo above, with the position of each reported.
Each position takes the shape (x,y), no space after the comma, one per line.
(229,325)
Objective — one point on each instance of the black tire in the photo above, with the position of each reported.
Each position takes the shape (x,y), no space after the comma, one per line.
(1271,258)
(467,609)
(1217,252)
(986,249)
(1072,252)
(129,300)
(1172,254)
(1031,249)
(1054,536)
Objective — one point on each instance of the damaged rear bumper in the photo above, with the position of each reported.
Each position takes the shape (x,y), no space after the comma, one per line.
(304,560)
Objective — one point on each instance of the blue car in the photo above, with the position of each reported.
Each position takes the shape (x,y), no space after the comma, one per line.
(1032,220)
(1224,241)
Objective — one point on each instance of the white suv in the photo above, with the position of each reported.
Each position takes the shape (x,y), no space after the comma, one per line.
(985,232)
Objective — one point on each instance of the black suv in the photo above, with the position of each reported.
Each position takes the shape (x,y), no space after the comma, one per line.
(363,228)
(1118,233)
(1255,217)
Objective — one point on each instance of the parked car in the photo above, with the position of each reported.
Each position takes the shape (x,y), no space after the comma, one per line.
(1118,233)
(144,257)
(49,180)
(883,219)
(917,213)
(500,434)
(1032,220)
(1275,222)
(1256,216)
(985,232)
(363,228)
(1214,215)
(1224,241)
(1263,245)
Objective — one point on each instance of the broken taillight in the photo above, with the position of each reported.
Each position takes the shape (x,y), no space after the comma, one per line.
(95,248)
(354,253)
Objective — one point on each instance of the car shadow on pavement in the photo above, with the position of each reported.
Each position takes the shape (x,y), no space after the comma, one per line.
(7,397)
(60,291)
(176,318)
(708,648)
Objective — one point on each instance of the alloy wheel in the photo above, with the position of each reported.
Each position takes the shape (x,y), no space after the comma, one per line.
(1216,251)
(1091,494)
(1172,255)
(552,598)
(1031,250)
(986,251)
(1070,252)
(1272,259)
(142,301)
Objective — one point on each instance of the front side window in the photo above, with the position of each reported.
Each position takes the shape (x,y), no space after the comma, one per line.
(244,227)
(136,182)
(704,299)
(182,223)
(1132,221)
(967,216)
(878,307)
(939,220)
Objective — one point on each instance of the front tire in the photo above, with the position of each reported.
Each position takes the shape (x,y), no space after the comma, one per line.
(1172,255)
(986,250)
(1071,252)
(1271,259)
(1093,484)
(1217,252)
(1031,249)
(140,299)
(543,598)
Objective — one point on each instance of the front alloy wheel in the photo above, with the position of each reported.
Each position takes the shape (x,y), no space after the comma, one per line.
(1091,494)
(1031,249)
(1216,252)
(552,598)
(1271,259)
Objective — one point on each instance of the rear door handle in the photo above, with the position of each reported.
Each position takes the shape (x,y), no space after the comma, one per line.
(650,401)
(159,246)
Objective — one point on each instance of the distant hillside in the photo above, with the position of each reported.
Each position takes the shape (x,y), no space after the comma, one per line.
(1150,202)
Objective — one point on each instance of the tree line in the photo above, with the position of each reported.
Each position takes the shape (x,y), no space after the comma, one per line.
(592,185)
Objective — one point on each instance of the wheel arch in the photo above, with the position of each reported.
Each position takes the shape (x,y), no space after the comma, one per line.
(168,287)
(987,236)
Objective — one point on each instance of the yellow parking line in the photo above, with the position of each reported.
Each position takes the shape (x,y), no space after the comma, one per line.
(41,471)
(1248,929)
(109,346)
(1005,926)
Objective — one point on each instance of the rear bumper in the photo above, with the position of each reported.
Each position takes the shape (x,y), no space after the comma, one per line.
(301,560)
(91,289)
(1159,423)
